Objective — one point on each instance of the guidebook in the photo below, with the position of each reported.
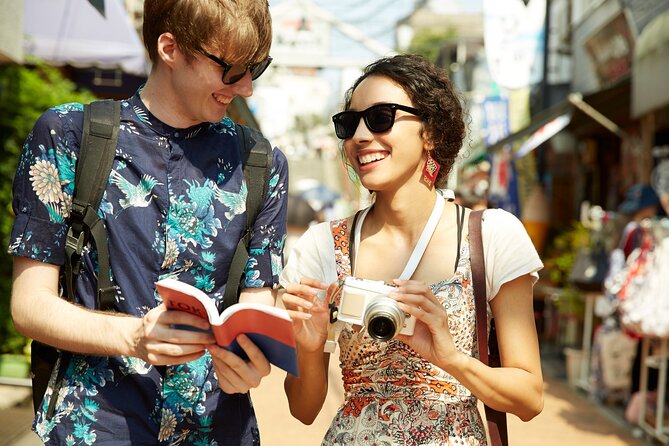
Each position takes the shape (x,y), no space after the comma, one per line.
(270,328)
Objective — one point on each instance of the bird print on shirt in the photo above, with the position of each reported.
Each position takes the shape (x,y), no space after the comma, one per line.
(136,195)
(235,202)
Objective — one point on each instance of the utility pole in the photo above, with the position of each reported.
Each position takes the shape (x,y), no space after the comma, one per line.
(545,103)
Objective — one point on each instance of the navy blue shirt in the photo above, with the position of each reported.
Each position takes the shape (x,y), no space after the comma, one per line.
(174,206)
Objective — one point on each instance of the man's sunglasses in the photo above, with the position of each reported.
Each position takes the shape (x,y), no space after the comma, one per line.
(378,118)
(233,73)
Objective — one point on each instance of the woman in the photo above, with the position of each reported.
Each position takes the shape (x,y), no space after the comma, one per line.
(403,120)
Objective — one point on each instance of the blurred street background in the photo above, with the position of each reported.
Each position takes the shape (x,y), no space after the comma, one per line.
(568,128)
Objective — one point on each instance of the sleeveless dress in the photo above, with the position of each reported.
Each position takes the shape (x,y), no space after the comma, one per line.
(392,395)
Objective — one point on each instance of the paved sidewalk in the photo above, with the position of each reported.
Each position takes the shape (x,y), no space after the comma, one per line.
(568,418)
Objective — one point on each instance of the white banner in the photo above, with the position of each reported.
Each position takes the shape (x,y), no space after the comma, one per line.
(514,34)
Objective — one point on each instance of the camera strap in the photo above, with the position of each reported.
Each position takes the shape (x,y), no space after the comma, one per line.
(421,244)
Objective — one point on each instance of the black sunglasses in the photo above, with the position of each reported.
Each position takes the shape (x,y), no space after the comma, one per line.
(233,73)
(378,118)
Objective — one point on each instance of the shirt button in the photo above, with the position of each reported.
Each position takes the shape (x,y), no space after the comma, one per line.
(177,134)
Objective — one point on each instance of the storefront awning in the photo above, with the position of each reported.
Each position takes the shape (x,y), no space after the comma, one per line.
(650,67)
(545,132)
(74,32)
(538,122)
(551,121)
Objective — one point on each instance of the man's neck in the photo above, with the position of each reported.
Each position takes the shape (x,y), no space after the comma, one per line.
(161,101)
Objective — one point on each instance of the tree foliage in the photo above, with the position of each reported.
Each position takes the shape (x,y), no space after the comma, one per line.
(429,42)
(25,93)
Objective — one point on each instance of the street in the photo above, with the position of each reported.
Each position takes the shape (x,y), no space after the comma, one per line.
(568,418)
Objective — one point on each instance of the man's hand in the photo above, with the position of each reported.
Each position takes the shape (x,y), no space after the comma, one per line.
(234,374)
(158,340)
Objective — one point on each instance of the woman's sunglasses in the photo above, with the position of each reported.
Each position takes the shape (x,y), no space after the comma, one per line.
(378,118)
(233,73)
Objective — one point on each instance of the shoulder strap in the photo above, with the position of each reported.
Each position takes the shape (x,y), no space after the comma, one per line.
(496,419)
(256,153)
(341,237)
(96,155)
(98,147)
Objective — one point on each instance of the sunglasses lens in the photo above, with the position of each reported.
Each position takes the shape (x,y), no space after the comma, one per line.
(380,118)
(234,74)
(345,124)
(258,69)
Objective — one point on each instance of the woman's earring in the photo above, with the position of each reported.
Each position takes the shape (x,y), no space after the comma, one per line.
(430,170)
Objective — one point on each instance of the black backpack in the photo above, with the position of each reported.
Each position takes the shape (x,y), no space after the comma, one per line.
(98,147)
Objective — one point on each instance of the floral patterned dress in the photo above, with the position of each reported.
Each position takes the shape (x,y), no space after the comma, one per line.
(174,206)
(392,395)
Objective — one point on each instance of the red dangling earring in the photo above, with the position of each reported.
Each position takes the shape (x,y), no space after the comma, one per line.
(430,170)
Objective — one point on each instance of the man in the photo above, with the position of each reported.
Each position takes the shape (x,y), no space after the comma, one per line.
(173,206)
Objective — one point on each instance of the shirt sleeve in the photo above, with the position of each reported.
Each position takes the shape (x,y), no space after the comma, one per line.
(312,256)
(507,250)
(269,229)
(43,186)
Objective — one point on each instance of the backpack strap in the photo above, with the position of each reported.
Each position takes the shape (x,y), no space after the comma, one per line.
(488,349)
(98,147)
(256,154)
(96,155)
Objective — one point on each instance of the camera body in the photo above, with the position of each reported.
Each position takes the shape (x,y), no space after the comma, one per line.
(366,302)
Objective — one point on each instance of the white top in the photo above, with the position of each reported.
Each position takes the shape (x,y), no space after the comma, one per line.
(507,250)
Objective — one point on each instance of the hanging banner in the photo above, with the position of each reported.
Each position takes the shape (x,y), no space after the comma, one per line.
(514,41)
(495,119)
(503,191)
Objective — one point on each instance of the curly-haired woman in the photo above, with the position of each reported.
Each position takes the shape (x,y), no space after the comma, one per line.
(401,129)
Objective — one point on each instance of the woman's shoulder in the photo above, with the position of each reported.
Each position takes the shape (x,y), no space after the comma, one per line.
(500,221)
(504,233)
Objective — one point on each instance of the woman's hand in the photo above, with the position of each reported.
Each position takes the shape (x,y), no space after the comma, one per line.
(310,315)
(432,336)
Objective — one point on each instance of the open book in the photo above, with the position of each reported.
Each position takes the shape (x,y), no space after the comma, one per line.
(270,328)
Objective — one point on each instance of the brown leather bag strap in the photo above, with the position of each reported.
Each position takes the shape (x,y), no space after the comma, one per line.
(496,419)
(478,279)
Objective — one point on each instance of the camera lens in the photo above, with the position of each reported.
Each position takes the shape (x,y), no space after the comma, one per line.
(383,318)
(381,328)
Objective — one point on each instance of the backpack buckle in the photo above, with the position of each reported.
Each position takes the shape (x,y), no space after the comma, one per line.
(75,244)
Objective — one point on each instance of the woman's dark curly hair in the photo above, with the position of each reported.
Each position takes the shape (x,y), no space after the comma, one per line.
(431,92)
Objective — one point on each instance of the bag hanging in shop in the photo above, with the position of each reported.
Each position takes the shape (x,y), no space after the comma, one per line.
(611,362)
(644,300)
(590,268)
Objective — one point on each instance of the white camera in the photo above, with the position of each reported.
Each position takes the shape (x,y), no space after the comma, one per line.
(366,302)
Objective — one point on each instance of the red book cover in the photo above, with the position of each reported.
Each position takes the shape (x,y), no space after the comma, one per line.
(270,328)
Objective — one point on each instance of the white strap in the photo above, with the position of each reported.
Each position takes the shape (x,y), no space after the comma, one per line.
(421,245)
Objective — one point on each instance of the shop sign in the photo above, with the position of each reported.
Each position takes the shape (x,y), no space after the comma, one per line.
(611,49)
(299,34)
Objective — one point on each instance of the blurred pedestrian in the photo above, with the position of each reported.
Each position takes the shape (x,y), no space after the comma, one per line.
(640,203)
(300,216)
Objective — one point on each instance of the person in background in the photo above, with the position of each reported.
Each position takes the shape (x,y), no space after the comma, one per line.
(640,203)
(402,119)
(300,216)
(174,207)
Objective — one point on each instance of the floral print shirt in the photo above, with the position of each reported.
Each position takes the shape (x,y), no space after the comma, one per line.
(174,206)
